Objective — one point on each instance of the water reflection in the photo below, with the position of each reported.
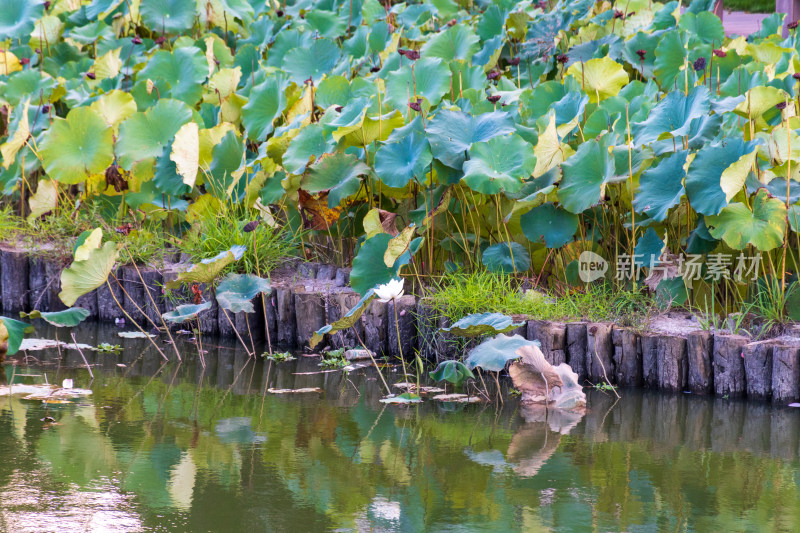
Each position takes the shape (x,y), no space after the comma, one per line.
(168,447)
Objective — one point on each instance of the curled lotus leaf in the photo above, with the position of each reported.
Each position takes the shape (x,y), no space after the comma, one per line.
(207,270)
(84,276)
(454,372)
(182,313)
(11,334)
(478,324)
(493,354)
(235,292)
(762,226)
(347,321)
(68,318)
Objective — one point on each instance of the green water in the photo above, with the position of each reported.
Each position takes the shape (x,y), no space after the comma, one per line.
(168,447)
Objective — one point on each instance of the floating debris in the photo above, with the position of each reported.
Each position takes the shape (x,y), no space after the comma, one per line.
(412,388)
(135,335)
(46,393)
(35,345)
(404,398)
(358,355)
(295,391)
(458,398)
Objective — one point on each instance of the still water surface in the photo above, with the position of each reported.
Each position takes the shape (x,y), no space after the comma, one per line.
(168,447)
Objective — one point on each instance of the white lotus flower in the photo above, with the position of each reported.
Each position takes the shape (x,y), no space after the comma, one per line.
(390,291)
(66,384)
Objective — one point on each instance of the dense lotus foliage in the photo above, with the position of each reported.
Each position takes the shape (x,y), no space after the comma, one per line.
(432,136)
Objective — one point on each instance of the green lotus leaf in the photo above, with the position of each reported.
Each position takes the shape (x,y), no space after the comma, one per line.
(452,371)
(369,267)
(793,301)
(312,61)
(207,270)
(310,144)
(327,23)
(17,18)
(649,248)
(502,163)
(452,133)
(671,55)
(182,313)
(350,118)
(430,80)
(704,177)
(399,162)
(585,175)
(172,16)
(760,104)
(11,334)
(479,324)
(493,354)
(763,226)
(82,277)
(146,134)
(227,159)
(406,397)
(78,146)
(794,218)
(338,173)
(89,33)
(506,258)
(184,69)
(704,27)
(601,77)
(68,318)
(670,292)
(236,291)
(661,187)
(642,41)
(347,321)
(551,224)
(673,115)
(267,101)
(456,42)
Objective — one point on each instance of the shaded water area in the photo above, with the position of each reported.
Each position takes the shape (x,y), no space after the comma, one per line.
(169,447)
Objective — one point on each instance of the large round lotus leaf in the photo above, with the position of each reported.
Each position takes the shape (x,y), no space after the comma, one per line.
(507,258)
(671,292)
(228,157)
(61,319)
(337,173)
(500,164)
(760,105)
(673,115)
(17,17)
(207,270)
(642,41)
(452,371)
(493,354)
(705,27)
(236,291)
(600,77)
(82,277)
(182,313)
(94,31)
(661,187)
(349,119)
(585,174)
(763,226)
(452,133)
(704,177)
(184,69)
(430,80)
(551,224)
(146,134)
(171,16)
(670,58)
(266,104)
(11,334)
(456,42)
(310,143)
(397,163)
(483,324)
(312,61)
(369,267)
(78,146)
(327,23)
(649,248)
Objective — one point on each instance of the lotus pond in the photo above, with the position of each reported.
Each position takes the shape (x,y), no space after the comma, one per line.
(169,447)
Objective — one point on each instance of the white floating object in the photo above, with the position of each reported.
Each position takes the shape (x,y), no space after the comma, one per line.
(66,384)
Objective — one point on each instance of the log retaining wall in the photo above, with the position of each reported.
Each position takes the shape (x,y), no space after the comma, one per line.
(670,357)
